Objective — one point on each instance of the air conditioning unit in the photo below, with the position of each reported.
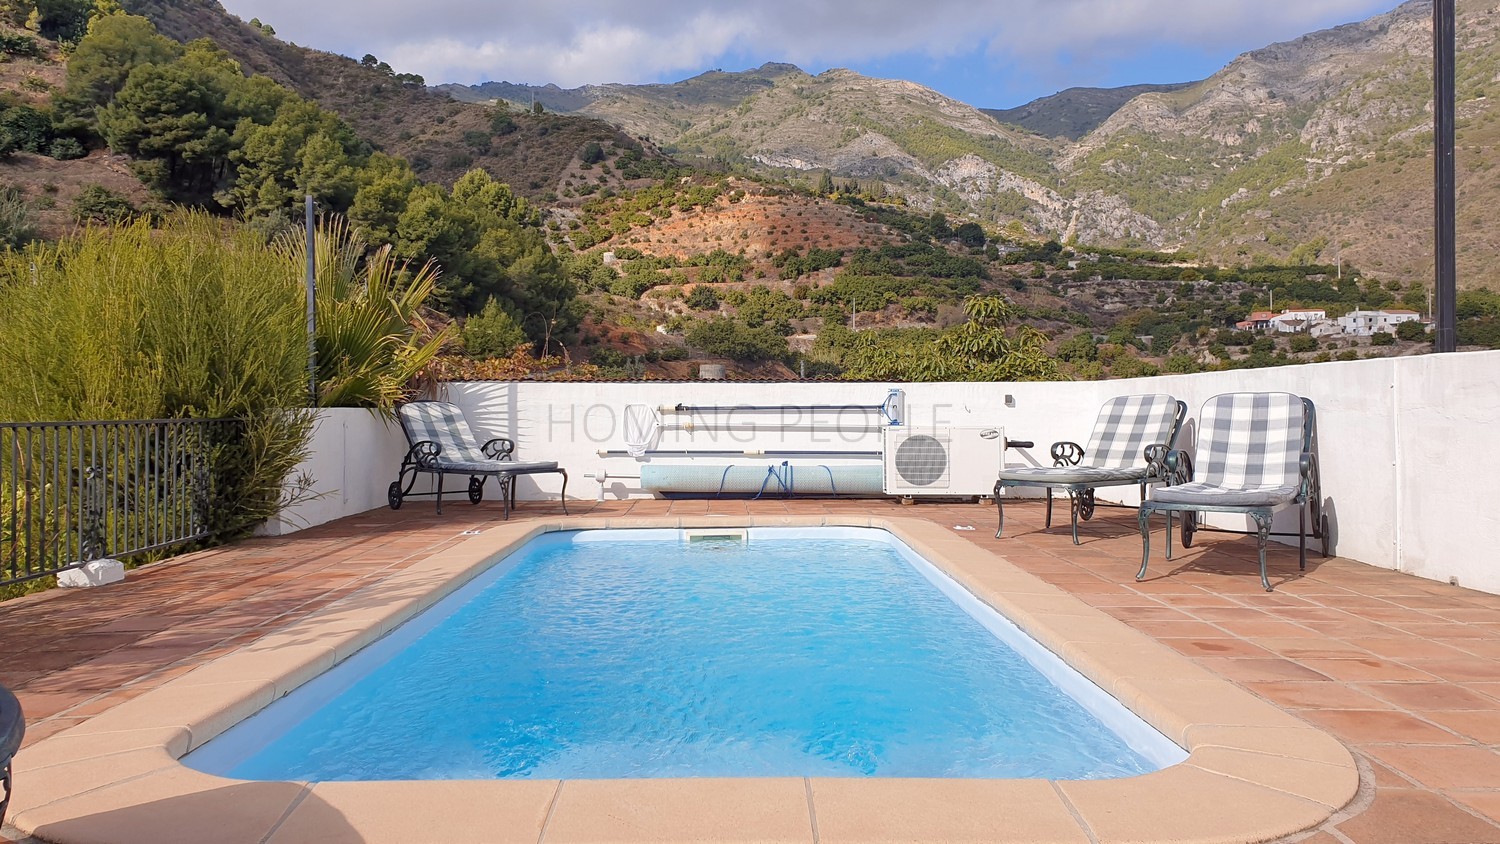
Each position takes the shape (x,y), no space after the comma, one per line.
(942,461)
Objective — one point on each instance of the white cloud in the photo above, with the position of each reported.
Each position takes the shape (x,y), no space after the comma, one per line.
(572,42)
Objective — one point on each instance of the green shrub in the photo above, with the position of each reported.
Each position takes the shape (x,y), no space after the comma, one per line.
(703,298)
(19,46)
(493,332)
(66,149)
(1482,331)
(477,141)
(17,218)
(1382,338)
(1080,348)
(99,204)
(608,359)
(26,129)
(189,321)
(727,338)
(1411,331)
(1304,343)
(1182,364)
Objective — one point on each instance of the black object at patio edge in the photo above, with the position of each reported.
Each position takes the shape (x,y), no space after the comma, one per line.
(12,729)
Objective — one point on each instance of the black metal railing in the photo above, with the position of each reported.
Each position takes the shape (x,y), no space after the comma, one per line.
(73,492)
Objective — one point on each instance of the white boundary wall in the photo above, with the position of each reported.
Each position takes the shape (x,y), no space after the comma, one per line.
(1408,446)
(353,457)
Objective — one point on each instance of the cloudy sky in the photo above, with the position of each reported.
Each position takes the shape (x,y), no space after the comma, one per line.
(989,53)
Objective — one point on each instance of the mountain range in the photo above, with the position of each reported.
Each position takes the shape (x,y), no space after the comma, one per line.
(1316,148)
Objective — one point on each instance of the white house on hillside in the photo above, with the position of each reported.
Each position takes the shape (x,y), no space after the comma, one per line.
(1297,320)
(1367,323)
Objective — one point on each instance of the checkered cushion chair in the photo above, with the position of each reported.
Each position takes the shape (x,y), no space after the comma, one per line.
(441,443)
(1255,457)
(1131,439)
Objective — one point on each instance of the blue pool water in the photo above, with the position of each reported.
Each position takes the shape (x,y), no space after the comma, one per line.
(658,657)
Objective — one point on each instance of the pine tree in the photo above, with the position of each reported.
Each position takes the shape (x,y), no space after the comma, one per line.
(825,184)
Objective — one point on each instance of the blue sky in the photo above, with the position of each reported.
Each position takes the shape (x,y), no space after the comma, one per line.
(996,54)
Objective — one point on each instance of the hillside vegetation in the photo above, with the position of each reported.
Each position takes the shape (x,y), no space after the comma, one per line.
(640,264)
(395,112)
(1075,112)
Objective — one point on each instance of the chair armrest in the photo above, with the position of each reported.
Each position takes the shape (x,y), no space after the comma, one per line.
(424,454)
(1156,460)
(1179,466)
(499,448)
(1307,464)
(1066,454)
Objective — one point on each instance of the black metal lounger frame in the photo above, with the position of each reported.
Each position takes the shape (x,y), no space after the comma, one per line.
(422,457)
(1309,498)
(1081,494)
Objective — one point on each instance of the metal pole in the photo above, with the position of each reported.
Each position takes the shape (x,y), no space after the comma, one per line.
(1444,57)
(312,307)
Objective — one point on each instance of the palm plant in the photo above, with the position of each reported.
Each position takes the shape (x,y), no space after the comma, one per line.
(372,339)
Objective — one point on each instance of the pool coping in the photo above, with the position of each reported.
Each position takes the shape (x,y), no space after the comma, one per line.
(1253,773)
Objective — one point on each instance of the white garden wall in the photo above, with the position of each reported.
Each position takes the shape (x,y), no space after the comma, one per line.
(1407,445)
(353,456)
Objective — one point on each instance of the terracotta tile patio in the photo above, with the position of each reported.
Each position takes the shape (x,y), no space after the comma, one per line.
(1405,671)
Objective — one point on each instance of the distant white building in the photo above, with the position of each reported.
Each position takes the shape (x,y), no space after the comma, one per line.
(1298,320)
(1286,322)
(1368,323)
(1257,321)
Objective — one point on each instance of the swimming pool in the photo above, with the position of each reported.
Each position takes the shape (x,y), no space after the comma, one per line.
(635,654)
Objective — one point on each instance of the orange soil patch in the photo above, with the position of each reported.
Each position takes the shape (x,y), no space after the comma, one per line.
(759,225)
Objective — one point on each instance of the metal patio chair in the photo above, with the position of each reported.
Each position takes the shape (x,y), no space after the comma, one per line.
(12,730)
(441,443)
(1256,457)
(1129,445)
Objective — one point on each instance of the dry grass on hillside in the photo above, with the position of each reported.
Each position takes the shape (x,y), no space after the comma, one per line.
(51,186)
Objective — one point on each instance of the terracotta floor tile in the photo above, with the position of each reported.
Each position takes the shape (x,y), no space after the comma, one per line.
(1442,766)
(1481,726)
(1230,614)
(1408,649)
(40,705)
(1369,669)
(1487,648)
(1178,629)
(1355,629)
(1433,696)
(1384,776)
(1447,630)
(1405,816)
(1256,630)
(1308,647)
(1486,803)
(1219,647)
(1459,670)
(1315,694)
(1154,612)
(1251,670)
(1382,726)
